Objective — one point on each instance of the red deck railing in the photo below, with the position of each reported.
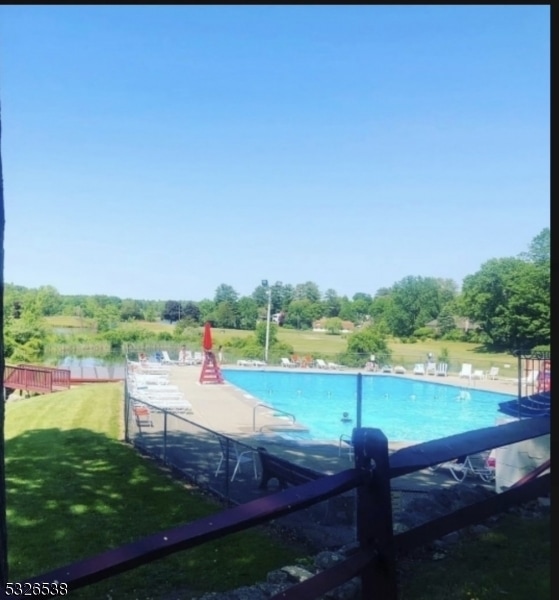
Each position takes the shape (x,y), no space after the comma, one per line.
(33,378)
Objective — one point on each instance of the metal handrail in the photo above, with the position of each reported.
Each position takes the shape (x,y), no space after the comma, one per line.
(279,410)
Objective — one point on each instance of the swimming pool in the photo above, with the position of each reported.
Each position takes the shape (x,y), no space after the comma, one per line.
(406,410)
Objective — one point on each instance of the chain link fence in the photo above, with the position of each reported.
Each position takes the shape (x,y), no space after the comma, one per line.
(231,470)
(507,369)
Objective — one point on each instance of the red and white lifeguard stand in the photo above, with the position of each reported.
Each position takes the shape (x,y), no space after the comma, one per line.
(211,373)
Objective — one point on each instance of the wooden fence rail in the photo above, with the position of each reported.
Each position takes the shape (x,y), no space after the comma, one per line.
(375,560)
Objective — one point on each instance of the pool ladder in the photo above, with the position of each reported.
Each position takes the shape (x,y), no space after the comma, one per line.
(276,410)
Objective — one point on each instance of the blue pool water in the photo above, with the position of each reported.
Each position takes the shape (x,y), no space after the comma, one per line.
(406,410)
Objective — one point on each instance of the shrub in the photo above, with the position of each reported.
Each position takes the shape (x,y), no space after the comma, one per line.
(542,348)
(444,356)
(424,333)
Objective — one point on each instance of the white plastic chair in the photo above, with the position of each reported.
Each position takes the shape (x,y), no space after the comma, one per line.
(493,372)
(442,369)
(431,368)
(419,369)
(240,457)
(167,359)
(466,371)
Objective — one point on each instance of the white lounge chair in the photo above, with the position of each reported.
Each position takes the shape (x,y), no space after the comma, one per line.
(419,369)
(173,402)
(493,372)
(442,370)
(285,362)
(478,374)
(335,366)
(149,378)
(320,363)
(431,368)
(258,363)
(198,358)
(167,359)
(400,370)
(148,367)
(466,371)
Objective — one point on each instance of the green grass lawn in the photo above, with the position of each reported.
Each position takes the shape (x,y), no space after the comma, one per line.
(75,490)
(510,561)
(69,321)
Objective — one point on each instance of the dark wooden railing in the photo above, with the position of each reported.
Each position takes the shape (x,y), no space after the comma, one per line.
(375,559)
(34,378)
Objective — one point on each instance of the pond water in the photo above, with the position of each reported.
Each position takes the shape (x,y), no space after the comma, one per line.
(92,367)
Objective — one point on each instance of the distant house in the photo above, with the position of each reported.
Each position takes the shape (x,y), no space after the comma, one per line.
(320,325)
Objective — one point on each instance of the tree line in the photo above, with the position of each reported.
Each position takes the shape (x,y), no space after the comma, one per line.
(505,305)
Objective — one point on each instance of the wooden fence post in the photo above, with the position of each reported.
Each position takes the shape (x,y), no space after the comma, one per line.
(374,514)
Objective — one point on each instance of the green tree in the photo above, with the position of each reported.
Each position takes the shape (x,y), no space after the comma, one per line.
(302,313)
(225,293)
(347,311)
(361,344)
(48,300)
(445,320)
(307,291)
(260,333)
(415,302)
(247,313)
(172,311)
(191,312)
(333,325)
(207,309)
(380,308)
(332,303)
(510,299)
(539,250)
(225,315)
(131,310)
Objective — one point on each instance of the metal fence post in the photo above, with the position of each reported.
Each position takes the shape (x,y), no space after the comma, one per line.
(359,408)
(164,437)
(374,514)
(126,408)
(227,470)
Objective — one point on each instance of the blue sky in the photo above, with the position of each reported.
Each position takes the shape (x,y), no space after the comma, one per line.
(157,152)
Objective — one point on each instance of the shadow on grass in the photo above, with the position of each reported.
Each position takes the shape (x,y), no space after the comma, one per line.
(76,493)
(489,349)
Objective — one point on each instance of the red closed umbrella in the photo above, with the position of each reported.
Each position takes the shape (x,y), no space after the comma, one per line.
(207,340)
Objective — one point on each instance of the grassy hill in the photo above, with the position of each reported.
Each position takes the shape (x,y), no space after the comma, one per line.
(74,490)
